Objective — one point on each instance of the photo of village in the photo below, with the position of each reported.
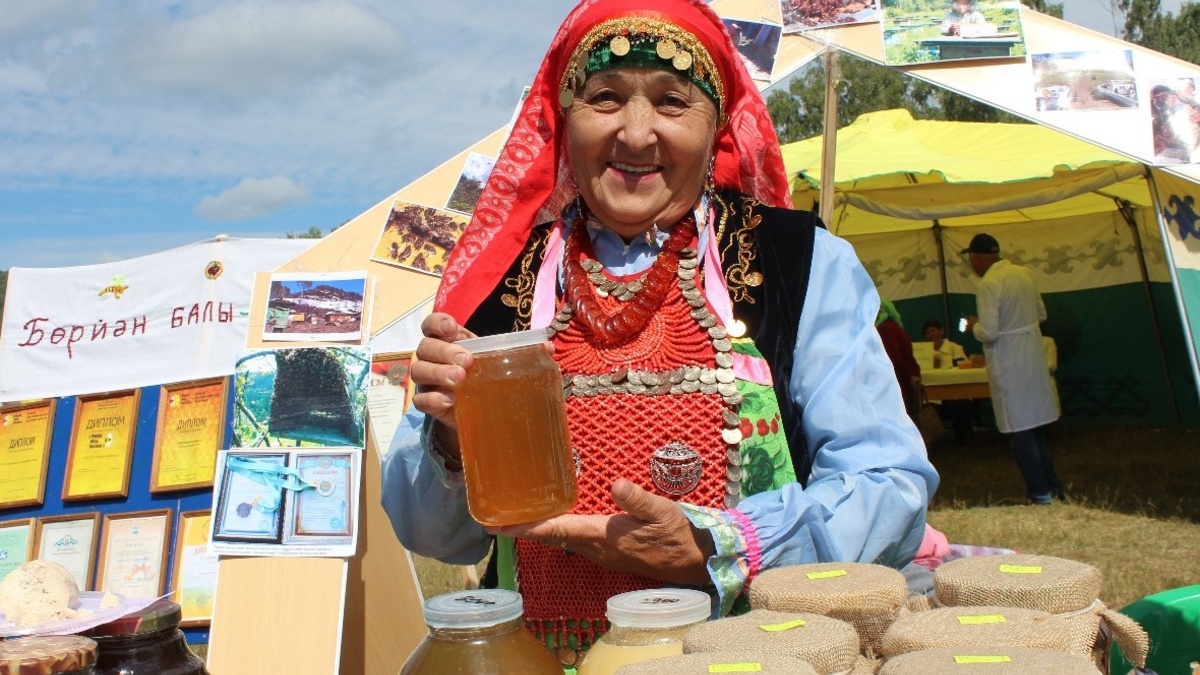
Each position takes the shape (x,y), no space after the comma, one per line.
(315,307)
(418,237)
(1084,80)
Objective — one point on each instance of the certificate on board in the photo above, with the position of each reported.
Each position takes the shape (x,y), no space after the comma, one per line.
(16,544)
(191,428)
(329,507)
(71,542)
(24,453)
(194,582)
(248,508)
(133,553)
(101,446)
(388,394)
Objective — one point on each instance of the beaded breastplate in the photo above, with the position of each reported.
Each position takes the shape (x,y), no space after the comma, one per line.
(658,408)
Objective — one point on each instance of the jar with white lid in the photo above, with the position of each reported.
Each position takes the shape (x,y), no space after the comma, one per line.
(479,632)
(646,625)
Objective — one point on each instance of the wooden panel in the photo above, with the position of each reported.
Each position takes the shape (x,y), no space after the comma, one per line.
(947,392)
(384,621)
(277,615)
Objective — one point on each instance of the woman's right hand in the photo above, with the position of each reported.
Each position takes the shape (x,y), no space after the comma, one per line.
(440,367)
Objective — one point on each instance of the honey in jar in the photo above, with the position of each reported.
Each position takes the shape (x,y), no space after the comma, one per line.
(645,625)
(512,428)
(146,642)
(479,632)
(47,655)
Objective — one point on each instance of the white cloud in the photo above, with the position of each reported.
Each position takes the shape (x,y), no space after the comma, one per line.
(252,198)
(248,48)
(26,16)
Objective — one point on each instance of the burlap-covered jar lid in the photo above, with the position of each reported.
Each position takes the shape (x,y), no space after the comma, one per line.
(973,626)
(866,596)
(988,661)
(829,645)
(1054,585)
(720,662)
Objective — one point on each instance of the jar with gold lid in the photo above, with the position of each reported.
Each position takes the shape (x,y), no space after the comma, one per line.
(48,655)
(147,642)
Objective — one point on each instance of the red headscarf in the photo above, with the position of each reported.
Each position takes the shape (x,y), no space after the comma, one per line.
(530,181)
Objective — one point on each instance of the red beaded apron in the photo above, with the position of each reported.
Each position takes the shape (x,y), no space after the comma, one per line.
(650,409)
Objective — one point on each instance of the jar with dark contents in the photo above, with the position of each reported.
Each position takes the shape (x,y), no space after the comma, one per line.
(148,642)
(48,655)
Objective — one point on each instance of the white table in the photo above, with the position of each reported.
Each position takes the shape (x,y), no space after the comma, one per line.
(945,384)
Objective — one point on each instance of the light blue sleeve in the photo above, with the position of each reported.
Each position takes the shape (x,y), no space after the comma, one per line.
(427,505)
(871,481)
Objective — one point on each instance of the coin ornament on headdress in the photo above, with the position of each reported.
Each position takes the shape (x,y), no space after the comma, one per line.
(641,42)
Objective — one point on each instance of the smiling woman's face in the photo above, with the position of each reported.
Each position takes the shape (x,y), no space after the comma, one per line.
(639,142)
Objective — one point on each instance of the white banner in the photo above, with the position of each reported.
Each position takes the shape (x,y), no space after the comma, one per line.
(173,316)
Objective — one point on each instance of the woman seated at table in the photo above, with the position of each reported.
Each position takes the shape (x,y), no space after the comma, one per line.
(946,354)
(638,212)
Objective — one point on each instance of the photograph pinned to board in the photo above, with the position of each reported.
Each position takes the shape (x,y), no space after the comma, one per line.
(133,553)
(389,394)
(474,175)
(70,540)
(16,544)
(921,31)
(249,496)
(25,432)
(418,237)
(315,396)
(756,43)
(191,428)
(309,497)
(801,15)
(1175,120)
(1096,80)
(316,306)
(101,448)
(194,579)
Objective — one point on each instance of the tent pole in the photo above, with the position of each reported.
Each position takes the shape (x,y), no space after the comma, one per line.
(829,139)
(941,250)
(1127,213)
(1166,238)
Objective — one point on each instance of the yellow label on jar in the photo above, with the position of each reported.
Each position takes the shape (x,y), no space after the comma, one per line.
(1021,569)
(982,659)
(829,574)
(735,668)
(779,627)
(982,618)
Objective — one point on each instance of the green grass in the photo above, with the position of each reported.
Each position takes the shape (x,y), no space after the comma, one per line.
(1134,509)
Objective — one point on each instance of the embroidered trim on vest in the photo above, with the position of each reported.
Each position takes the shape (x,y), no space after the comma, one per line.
(738,275)
(524,282)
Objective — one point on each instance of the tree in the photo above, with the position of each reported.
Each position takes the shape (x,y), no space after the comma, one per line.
(312,233)
(798,111)
(1146,25)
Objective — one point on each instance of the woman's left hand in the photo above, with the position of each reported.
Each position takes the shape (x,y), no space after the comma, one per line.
(652,538)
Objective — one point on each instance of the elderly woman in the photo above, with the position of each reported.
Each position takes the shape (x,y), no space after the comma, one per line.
(638,213)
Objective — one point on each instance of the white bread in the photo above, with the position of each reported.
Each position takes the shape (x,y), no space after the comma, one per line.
(37,593)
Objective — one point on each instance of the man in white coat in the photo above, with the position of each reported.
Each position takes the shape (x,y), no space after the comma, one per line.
(1010,309)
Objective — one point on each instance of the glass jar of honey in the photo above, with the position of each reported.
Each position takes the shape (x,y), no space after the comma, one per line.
(512,428)
(47,655)
(147,642)
(479,632)
(645,625)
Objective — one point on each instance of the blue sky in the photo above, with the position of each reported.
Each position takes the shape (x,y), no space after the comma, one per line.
(136,126)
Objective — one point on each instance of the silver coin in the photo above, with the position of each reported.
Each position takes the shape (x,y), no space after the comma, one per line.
(636,388)
(731,437)
(619,374)
(687,284)
(675,390)
(691,373)
(734,456)
(731,418)
(675,376)
(708,321)
(722,344)
(708,389)
(690,386)
(635,286)
(733,400)
(708,377)
(718,332)
(650,379)
(725,376)
(605,380)
(634,377)
(580,381)
(727,389)
(724,359)
(689,264)
(733,473)
(604,391)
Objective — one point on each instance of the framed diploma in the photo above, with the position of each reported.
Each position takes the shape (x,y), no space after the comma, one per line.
(327,509)
(101,446)
(191,428)
(24,453)
(194,579)
(133,553)
(16,544)
(70,541)
(249,504)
